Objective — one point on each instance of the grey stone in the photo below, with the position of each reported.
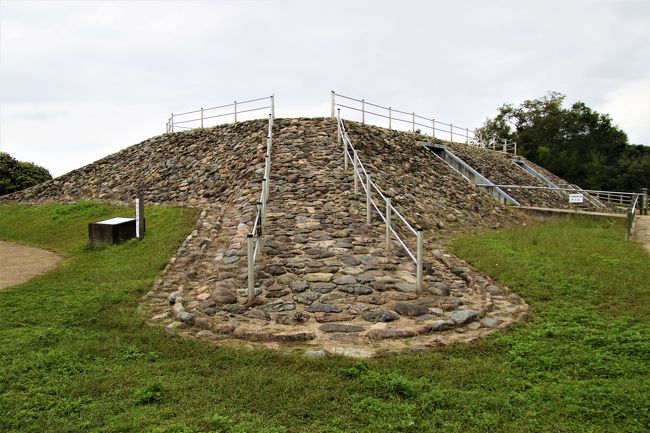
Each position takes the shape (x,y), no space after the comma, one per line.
(323,287)
(405,287)
(223,296)
(323,308)
(411,310)
(345,279)
(173,296)
(490,322)
(365,278)
(462,317)
(356,289)
(380,334)
(443,325)
(341,327)
(306,298)
(279,305)
(298,286)
(230,260)
(493,290)
(185,317)
(256,313)
(379,315)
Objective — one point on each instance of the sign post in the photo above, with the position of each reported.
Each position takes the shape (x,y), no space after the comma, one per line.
(139,216)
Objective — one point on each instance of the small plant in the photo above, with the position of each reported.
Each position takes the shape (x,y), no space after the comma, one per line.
(152,393)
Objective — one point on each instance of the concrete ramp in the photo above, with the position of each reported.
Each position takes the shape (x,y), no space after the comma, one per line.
(469,172)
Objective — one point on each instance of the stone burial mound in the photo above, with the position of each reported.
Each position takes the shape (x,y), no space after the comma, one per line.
(325,282)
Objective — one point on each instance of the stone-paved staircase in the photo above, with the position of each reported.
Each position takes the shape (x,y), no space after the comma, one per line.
(325,281)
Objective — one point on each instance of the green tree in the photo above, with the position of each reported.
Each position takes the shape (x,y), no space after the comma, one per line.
(16,175)
(576,143)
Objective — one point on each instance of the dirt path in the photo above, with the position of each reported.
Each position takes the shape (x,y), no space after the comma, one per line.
(19,263)
(642,231)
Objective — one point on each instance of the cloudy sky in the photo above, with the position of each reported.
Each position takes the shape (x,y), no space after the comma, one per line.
(80,80)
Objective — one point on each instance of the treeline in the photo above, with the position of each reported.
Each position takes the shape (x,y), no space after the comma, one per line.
(16,175)
(576,143)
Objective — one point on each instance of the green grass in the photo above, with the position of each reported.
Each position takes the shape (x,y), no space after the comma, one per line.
(75,356)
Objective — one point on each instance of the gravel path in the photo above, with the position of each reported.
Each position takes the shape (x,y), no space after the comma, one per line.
(19,263)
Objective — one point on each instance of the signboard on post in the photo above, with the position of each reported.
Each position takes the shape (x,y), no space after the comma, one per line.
(139,216)
(576,198)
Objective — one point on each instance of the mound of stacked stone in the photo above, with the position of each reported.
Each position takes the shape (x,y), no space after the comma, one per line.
(325,282)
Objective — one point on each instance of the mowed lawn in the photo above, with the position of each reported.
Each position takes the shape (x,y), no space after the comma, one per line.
(75,355)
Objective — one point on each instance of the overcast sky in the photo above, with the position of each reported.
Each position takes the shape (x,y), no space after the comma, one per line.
(81,80)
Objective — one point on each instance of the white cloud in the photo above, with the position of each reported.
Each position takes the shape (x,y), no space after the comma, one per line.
(629,107)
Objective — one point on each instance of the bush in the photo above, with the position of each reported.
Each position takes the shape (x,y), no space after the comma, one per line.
(16,175)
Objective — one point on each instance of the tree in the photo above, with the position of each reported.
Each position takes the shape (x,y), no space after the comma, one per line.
(576,143)
(16,175)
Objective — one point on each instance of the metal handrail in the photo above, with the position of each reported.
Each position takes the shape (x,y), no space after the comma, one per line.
(254,239)
(471,137)
(631,214)
(361,175)
(174,122)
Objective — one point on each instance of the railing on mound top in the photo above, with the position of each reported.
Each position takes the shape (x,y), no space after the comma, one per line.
(371,189)
(255,238)
(415,122)
(197,118)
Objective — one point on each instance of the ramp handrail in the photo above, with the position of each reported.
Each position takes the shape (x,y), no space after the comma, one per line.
(370,188)
(456,134)
(195,118)
(254,239)
(631,214)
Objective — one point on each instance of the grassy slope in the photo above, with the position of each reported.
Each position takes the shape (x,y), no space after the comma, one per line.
(75,357)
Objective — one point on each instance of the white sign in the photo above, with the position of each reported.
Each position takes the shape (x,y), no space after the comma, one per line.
(137,218)
(576,198)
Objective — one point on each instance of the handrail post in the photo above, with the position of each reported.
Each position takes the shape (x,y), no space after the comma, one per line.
(413,121)
(332,105)
(390,118)
(645,201)
(368,204)
(433,128)
(201,117)
(267,168)
(515,148)
(172,122)
(505,143)
(451,131)
(418,270)
(272,107)
(342,139)
(466,135)
(260,212)
(235,111)
(354,173)
(388,222)
(363,112)
(251,270)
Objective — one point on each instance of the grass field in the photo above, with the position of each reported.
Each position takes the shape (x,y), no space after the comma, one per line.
(75,356)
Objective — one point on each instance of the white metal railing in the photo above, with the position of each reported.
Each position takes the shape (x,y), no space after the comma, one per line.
(614,197)
(415,122)
(361,176)
(571,189)
(255,238)
(631,214)
(197,118)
